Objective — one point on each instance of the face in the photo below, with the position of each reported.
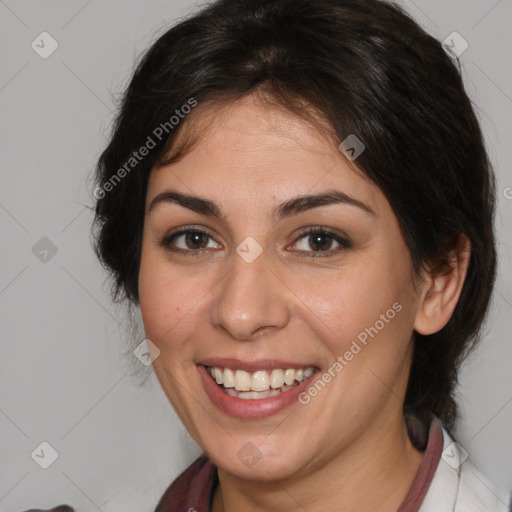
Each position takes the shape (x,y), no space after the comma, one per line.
(302,309)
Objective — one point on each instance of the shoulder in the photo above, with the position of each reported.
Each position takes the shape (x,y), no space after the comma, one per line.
(458,486)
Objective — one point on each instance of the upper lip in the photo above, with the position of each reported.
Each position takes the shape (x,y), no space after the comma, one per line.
(251,366)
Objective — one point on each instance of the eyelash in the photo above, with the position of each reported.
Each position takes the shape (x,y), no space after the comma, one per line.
(344,242)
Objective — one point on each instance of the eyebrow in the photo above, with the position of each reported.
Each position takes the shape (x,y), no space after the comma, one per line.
(288,208)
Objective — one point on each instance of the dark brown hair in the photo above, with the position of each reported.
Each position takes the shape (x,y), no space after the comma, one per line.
(369,70)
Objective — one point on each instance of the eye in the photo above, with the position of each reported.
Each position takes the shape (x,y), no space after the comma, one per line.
(189,241)
(315,241)
(319,240)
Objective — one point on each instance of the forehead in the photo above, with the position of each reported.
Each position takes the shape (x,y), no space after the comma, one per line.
(250,148)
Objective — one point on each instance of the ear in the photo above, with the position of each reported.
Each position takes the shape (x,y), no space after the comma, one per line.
(441,292)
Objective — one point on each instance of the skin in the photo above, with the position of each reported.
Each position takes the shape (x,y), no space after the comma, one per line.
(347,449)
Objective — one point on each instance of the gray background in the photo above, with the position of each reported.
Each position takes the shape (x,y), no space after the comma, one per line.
(64,378)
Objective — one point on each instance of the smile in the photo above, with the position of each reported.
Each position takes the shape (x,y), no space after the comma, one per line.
(257,391)
(259,384)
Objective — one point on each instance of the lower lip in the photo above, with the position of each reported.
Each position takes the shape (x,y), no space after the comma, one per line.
(250,408)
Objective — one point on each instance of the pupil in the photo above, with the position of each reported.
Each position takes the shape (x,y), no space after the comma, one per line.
(194,239)
(318,238)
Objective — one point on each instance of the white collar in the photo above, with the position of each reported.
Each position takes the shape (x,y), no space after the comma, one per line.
(457,486)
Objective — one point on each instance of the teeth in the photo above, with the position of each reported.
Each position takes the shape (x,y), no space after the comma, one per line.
(228,378)
(258,384)
(289,376)
(217,373)
(276,379)
(242,381)
(260,381)
(255,395)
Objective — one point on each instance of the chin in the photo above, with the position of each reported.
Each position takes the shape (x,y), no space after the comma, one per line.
(258,459)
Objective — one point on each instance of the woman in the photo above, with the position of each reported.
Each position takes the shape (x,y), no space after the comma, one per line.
(297,195)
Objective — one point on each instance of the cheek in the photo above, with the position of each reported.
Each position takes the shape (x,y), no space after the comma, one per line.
(173,304)
(162,298)
(364,314)
(349,301)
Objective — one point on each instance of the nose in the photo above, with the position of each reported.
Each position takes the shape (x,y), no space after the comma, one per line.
(250,299)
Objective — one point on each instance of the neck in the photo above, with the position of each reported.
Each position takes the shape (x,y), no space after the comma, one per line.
(374,473)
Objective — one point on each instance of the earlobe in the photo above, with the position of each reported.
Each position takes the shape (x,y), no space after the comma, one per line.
(441,292)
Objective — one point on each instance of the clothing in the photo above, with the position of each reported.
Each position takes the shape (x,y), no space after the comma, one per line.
(445,481)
